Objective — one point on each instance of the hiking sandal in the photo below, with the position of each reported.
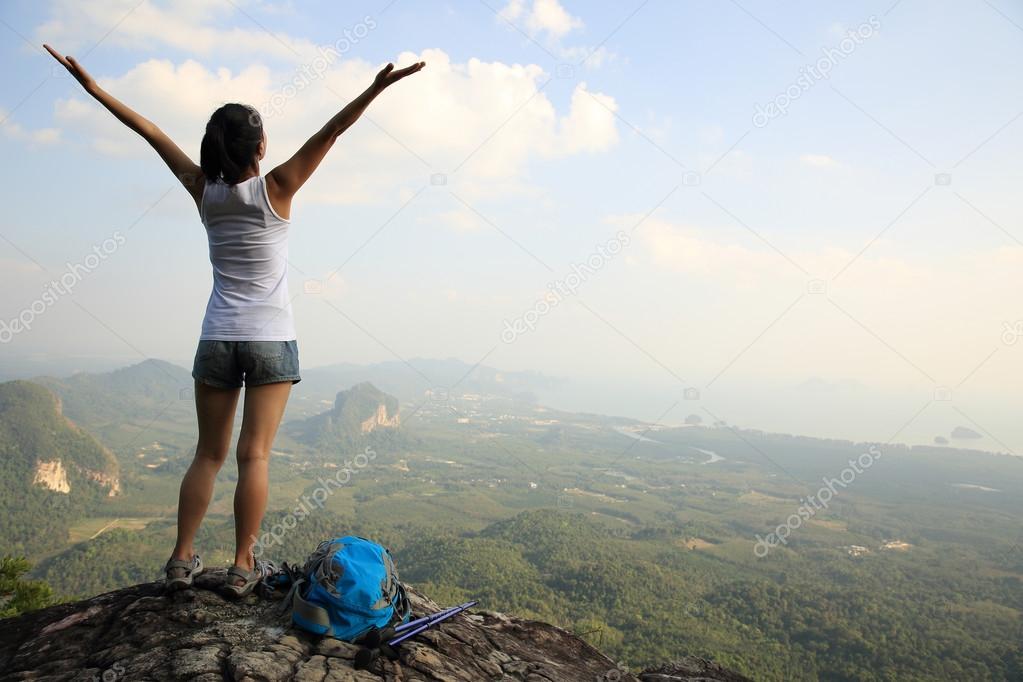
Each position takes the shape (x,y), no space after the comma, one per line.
(251,579)
(181,572)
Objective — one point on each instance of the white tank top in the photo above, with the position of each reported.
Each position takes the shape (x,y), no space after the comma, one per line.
(249,252)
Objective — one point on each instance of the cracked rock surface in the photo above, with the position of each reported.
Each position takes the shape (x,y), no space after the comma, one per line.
(139,633)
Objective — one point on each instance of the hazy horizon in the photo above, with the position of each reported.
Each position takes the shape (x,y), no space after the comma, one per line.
(573,396)
(847,268)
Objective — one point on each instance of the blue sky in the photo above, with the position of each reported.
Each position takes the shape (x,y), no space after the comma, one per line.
(555,125)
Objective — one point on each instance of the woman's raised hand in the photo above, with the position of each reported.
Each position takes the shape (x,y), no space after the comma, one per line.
(73,67)
(183,167)
(388,76)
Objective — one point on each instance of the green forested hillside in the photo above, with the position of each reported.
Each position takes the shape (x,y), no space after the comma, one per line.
(110,396)
(115,406)
(642,599)
(33,425)
(33,430)
(341,427)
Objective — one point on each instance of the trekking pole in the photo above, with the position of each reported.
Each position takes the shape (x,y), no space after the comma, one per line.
(444,615)
(375,637)
(367,654)
(417,621)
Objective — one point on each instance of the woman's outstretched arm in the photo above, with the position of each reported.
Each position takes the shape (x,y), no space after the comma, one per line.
(184,168)
(284,180)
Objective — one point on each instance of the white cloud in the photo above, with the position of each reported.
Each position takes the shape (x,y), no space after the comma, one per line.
(460,219)
(944,313)
(734,164)
(512,11)
(186,25)
(460,125)
(461,109)
(685,249)
(16,131)
(818,160)
(549,21)
(590,124)
(588,56)
(180,98)
(542,17)
(689,249)
(548,16)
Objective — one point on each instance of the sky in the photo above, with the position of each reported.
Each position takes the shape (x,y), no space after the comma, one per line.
(799,216)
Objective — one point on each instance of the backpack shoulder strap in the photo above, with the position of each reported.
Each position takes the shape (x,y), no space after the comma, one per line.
(402,606)
(311,616)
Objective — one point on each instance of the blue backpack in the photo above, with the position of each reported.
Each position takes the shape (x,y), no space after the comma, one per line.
(348,587)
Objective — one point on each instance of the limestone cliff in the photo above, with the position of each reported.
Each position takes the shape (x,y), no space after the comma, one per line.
(52,475)
(380,418)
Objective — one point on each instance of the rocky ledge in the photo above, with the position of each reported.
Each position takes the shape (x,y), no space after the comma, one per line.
(139,633)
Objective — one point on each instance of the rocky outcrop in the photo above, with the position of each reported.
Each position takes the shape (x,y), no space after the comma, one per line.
(109,481)
(380,419)
(52,476)
(961,432)
(139,633)
(691,669)
(361,416)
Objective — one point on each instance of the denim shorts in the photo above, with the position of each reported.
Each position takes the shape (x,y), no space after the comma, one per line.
(229,364)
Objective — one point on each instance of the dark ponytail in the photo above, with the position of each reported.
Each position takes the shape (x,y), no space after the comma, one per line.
(231,142)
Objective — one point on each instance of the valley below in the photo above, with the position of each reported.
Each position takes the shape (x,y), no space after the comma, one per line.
(757,550)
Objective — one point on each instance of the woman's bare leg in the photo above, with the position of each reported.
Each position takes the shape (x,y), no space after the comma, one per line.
(214,409)
(264,407)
